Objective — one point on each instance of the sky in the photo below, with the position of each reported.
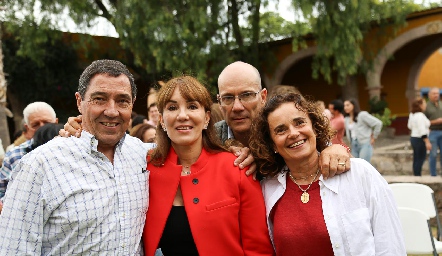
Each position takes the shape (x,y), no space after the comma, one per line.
(105,28)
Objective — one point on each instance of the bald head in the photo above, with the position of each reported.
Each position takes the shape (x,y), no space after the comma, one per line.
(240,71)
(236,80)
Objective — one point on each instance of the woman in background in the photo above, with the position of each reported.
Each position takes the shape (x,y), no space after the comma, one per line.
(419,125)
(145,132)
(361,129)
(349,214)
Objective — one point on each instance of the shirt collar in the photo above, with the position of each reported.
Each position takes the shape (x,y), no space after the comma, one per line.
(93,142)
(331,183)
(230,133)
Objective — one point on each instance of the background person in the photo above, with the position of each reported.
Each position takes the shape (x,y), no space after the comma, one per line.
(419,125)
(215,113)
(200,204)
(44,134)
(361,129)
(325,111)
(18,137)
(139,119)
(349,214)
(153,114)
(35,115)
(336,108)
(145,132)
(241,97)
(433,112)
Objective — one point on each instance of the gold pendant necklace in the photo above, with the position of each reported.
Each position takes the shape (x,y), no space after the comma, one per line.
(305,197)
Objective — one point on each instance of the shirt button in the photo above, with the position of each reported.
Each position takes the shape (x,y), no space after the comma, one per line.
(337,246)
(195,181)
(323,194)
(196,200)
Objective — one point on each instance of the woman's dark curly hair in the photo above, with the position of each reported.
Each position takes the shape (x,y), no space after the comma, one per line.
(269,163)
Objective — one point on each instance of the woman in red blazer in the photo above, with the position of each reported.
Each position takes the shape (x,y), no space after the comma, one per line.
(200,203)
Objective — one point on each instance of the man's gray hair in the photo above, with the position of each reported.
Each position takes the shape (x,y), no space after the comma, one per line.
(109,67)
(36,107)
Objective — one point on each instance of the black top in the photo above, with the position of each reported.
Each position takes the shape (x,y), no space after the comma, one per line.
(177,238)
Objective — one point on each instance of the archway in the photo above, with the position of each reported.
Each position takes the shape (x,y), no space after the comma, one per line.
(285,65)
(373,77)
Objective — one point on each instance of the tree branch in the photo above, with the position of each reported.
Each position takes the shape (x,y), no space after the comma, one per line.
(235,24)
(103,8)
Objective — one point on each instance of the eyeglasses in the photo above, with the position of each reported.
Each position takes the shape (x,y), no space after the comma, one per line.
(228,100)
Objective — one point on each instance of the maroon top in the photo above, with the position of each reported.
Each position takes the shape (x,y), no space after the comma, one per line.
(298,228)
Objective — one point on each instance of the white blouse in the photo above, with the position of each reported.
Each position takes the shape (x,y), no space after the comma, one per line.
(419,124)
(358,207)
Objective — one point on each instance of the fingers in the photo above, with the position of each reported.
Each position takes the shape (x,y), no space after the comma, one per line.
(63,133)
(244,158)
(324,164)
(335,165)
(73,126)
(237,152)
(252,170)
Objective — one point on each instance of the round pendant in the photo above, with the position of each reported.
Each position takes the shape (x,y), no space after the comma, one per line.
(305,197)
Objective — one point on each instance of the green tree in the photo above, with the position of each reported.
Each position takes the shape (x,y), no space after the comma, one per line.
(202,36)
(339,28)
(55,82)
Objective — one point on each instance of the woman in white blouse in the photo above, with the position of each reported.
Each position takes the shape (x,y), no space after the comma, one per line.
(419,125)
(349,214)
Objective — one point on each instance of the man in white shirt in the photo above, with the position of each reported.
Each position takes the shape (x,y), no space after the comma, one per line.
(86,195)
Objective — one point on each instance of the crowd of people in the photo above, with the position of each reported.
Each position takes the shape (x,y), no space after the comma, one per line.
(179,182)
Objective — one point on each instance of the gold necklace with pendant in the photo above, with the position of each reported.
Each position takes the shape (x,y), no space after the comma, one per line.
(305,197)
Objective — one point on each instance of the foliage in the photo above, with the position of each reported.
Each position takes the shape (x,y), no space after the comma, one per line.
(55,82)
(202,36)
(339,28)
(385,117)
(273,27)
(377,105)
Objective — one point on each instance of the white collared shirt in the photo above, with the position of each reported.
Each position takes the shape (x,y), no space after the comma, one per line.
(359,211)
(68,198)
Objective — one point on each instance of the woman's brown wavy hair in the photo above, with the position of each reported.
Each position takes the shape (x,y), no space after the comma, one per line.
(416,105)
(267,161)
(192,90)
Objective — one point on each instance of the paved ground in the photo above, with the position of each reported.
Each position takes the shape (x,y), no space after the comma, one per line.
(396,141)
(384,147)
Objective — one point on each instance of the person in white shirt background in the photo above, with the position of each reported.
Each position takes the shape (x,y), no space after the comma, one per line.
(419,125)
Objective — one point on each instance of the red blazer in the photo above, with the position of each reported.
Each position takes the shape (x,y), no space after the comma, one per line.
(225,208)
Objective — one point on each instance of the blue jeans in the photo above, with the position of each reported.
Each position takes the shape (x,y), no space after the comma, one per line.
(361,150)
(436,143)
(419,154)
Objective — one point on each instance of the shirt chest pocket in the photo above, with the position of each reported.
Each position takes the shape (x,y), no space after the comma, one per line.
(358,232)
(139,191)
